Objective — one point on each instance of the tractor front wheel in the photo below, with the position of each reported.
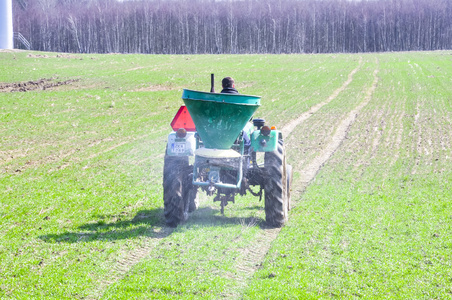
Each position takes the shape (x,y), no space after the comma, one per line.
(276,184)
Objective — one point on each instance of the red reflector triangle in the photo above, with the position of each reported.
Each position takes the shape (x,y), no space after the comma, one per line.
(183,120)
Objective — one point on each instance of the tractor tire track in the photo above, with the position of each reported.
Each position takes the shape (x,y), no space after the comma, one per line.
(311,170)
(253,256)
(251,260)
(286,130)
(123,264)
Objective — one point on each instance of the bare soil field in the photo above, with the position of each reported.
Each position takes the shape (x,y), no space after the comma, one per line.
(41,84)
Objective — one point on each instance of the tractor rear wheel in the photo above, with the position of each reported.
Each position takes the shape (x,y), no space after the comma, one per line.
(276,201)
(191,192)
(174,173)
(289,175)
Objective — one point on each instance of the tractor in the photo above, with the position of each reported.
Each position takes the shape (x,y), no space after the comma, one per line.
(217,147)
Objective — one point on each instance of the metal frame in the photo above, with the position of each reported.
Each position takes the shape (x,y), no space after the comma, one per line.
(207,183)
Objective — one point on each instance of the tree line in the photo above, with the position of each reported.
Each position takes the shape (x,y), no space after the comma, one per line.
(228,26)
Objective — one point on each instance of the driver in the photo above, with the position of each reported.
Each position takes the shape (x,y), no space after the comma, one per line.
(228,86)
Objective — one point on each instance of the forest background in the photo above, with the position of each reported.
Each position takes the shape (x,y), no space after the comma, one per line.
(246,26)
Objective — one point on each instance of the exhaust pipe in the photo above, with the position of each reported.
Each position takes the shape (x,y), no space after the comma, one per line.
(212,83)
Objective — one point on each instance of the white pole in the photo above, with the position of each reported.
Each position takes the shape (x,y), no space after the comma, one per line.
(6,24)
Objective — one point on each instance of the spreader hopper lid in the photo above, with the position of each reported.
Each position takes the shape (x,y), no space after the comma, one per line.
(239,99)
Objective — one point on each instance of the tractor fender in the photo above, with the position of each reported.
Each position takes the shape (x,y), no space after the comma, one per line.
(262,143)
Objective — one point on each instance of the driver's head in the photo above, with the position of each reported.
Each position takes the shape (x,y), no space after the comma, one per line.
(227,82)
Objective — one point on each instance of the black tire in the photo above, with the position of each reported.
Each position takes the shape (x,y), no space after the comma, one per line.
(174,173)
(289,176)
(276,202)
(191,192)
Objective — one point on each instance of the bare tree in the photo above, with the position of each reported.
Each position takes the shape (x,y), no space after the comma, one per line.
(247,26)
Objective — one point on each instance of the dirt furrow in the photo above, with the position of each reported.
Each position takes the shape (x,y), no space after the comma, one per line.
(430,138)
(398,134)
(41,84)
(379,129)
(418,131)
(374,123)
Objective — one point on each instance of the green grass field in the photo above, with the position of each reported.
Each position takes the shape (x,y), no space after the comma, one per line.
(81,159)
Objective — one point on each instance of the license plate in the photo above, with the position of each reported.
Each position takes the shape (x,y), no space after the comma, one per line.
(179,148)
